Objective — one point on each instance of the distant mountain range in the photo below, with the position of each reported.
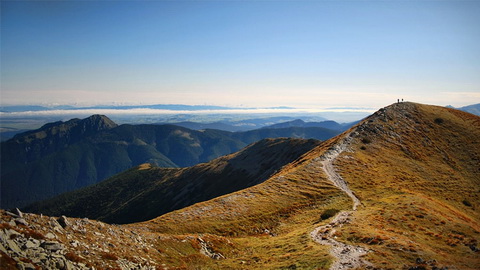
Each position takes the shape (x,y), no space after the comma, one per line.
(64,156)
(473,109)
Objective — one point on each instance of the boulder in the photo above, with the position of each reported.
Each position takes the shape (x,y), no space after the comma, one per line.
(13,246)
(52,246)
(18,212)
(21,221)
(29,266)
(63,221)
(50,235)
(3,249)
(31,244)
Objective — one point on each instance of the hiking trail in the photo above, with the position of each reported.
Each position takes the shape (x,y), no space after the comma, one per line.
(347,256)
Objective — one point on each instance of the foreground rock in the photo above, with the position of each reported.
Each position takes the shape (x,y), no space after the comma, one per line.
(30,241)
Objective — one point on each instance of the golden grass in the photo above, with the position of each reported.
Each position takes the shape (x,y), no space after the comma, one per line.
(268,225)
(288,246)
(413,184)
(415,171)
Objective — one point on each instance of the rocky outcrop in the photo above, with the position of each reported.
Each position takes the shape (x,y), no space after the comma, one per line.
(27,250)
(29,241)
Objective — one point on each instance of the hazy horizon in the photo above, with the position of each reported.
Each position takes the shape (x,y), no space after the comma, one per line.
(307,55)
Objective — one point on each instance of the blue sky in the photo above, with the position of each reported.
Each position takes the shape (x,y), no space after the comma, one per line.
(235,53)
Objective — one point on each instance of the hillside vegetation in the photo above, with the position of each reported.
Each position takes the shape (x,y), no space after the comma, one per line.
(414,169)
(146,192)
(66,156)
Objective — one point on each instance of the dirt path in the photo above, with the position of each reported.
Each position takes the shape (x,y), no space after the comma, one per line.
(347,256)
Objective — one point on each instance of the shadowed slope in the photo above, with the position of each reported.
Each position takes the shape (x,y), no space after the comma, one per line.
(66,156)
(146,192)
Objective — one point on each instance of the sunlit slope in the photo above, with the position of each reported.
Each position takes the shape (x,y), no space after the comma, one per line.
(268,224)
(415,169)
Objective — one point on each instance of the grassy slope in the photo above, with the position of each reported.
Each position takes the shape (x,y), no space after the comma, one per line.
(415,167)
(268,224)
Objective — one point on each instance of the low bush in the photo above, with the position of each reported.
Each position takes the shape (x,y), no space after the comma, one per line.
(467,203)
(328,213)
(366,140)
(438,120)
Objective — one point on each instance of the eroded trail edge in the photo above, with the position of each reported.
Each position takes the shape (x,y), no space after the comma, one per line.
(347,256)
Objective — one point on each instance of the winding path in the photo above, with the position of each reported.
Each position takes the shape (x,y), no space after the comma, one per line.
(347,256)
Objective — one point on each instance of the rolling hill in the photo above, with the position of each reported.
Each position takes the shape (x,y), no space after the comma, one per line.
(65,156)
(399,190)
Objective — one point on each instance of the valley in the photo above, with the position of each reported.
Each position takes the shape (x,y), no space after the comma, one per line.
(65,156)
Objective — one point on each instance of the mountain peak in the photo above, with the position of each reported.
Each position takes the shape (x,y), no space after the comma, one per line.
(76,127)
(99,122)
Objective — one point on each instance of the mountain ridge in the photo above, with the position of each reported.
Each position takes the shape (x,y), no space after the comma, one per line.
(408,198)
(161,190)
(63,156)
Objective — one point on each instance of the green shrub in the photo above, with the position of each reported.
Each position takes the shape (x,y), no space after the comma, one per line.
(438,120)
(328,213)
(467,203)
(366,140)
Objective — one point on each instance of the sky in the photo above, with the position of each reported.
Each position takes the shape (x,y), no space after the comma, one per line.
(305,54)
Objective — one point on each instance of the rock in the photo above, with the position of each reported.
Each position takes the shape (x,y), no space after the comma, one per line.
(63,221)
(31,244)
(18,212)
(60,264)
(52,246)
(3,249)
(3,237)
(29,266)
(50,235)
(11,232)
(13,246)
(21,266)
(42,257)
(12,223)
(74,243)
(11,214)
(21,221)
(54,223)
(69,265)
(58,229)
